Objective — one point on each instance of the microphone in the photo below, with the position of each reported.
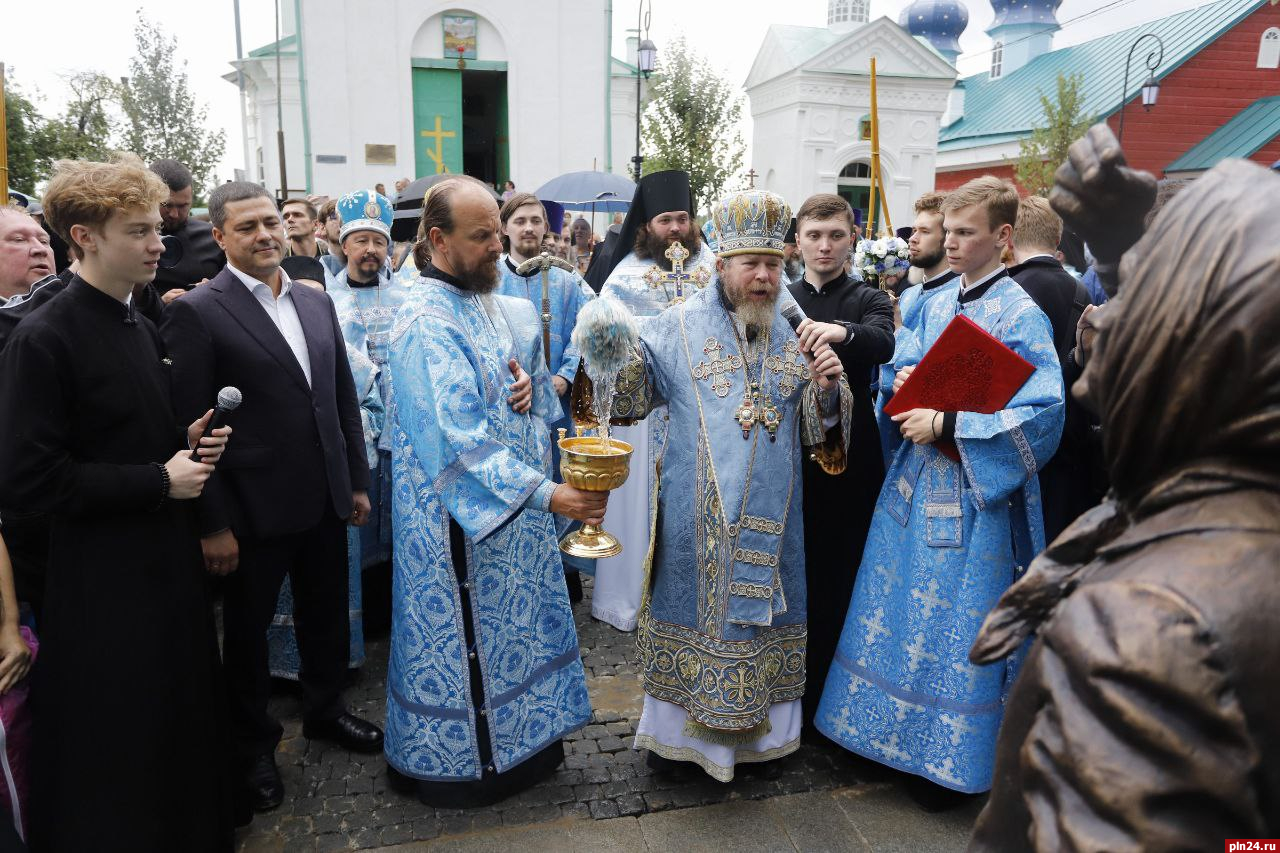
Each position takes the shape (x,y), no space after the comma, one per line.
(792,314)
(228,399)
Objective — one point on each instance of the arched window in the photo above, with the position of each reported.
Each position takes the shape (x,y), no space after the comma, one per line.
(997,59)
(859,11)
(837,11)
(1269,49)
(854,185)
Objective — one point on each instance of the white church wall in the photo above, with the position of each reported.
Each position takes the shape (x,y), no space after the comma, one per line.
(360,88)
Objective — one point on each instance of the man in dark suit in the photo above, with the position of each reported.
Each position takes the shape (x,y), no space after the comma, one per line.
(1066,484)
(281,504)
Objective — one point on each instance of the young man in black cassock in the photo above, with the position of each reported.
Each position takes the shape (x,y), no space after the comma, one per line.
(1067,487)
(858,323)
(128,750)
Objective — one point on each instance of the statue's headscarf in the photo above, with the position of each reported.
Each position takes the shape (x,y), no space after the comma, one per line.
(1185,376)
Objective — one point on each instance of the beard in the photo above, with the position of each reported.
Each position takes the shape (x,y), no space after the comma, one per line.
(653,247)
(794,268)
(929,261)
(754,314)
(481,278)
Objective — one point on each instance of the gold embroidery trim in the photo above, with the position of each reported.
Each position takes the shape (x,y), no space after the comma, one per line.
(723,684)
(755,558)
(751,590)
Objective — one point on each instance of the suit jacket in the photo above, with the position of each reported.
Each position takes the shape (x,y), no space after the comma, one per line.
(295,446)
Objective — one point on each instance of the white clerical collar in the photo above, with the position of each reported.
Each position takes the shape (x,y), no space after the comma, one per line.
(966,286)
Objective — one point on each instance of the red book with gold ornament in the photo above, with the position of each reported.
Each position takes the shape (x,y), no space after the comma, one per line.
(966,370)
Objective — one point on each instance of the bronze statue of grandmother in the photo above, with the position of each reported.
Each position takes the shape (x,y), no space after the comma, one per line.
(1147,713)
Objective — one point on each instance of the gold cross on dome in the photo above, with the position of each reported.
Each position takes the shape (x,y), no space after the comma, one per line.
(677,278)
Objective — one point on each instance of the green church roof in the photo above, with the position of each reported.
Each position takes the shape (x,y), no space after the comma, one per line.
(995,110)
(1247,131)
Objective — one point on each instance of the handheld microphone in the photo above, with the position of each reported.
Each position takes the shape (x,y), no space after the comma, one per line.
(792,314)
(228,399)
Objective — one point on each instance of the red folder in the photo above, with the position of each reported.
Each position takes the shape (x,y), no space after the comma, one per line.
(966,370)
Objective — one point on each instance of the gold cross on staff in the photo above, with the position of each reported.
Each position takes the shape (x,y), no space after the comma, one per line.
(439,135)
(656,277)
(751,178)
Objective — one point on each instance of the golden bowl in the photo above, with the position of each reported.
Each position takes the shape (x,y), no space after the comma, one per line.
(588,463)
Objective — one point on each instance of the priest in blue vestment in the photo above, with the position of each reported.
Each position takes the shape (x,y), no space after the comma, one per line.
(722,631)
(485,676)
(928,256)
(524,225)
(948,537)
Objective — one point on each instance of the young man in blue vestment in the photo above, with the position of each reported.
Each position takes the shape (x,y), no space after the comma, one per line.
(722,631)
(948,537)
(928,256)
(485,676)
(524,225)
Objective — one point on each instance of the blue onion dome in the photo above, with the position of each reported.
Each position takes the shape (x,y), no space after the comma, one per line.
(1012,12)
(940,21)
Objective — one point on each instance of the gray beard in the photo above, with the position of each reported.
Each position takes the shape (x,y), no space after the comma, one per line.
(756,316)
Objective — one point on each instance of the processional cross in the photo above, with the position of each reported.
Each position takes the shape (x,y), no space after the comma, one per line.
(752,174)
(677,278)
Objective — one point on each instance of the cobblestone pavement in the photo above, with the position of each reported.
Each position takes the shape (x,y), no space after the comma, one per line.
(336,800)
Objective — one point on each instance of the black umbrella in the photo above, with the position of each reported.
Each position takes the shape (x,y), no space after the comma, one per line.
(408,206)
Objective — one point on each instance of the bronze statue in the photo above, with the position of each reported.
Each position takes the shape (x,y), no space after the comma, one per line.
(1147,713)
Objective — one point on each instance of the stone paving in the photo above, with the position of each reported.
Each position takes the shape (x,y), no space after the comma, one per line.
(337,800)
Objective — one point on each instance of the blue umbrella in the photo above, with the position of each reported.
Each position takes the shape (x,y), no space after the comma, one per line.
(594,191)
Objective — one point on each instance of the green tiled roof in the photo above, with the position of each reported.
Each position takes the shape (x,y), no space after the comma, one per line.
(1250,129)
(993,109)
(270,49)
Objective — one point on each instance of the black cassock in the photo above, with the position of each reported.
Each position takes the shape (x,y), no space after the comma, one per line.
(129,736)
(838,508)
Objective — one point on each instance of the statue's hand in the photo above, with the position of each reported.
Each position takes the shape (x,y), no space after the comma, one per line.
(1101,198)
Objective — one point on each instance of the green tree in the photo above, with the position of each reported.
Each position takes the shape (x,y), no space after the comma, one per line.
(1064,122)
(26,142)
(691,123)
(88,125)
(162,118)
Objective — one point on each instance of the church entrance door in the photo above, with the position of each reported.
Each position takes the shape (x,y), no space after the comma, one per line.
(460,120)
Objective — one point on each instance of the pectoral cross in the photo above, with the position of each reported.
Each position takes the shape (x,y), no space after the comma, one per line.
(751,178)
(677,278)
(756,410)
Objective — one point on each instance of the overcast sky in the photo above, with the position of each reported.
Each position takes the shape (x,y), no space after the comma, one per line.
(96,35)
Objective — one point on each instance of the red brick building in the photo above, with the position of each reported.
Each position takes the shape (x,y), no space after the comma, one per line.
(1219,93)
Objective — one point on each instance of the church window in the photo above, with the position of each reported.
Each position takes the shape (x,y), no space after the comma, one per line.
(856,170)
(859,11)
(997,60)
(838,11)
(1269,50)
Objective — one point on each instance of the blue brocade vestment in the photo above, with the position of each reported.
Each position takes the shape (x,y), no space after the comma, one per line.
(722,630)
(460,453)
(946,541)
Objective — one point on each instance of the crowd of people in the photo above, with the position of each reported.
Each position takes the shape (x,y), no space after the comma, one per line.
(803,557)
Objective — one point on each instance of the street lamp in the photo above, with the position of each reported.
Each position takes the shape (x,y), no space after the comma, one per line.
(1151,88)
(646,58)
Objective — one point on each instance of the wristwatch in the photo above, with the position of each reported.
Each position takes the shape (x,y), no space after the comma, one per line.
(848,331)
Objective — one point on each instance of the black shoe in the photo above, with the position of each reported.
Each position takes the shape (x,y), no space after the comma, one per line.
(263,783)
(934,798)
(347,731)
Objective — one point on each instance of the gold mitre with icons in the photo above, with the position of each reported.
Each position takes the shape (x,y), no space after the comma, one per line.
(751,222)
